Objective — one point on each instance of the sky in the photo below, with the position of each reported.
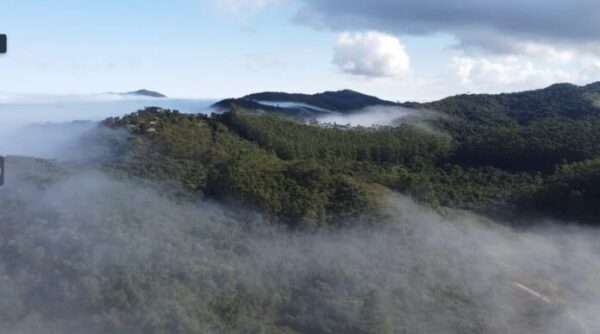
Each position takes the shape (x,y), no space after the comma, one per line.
(401,50)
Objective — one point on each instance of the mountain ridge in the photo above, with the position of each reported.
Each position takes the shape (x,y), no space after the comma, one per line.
(305,105)
(560,99)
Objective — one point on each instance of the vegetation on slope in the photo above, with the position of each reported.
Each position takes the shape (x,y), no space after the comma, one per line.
(86,251)
(492,153)
(289,179)
(344,101)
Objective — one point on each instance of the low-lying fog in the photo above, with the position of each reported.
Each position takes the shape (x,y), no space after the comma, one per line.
(89,248)
(378,116)
(86,251)
(293,105)
(43,126)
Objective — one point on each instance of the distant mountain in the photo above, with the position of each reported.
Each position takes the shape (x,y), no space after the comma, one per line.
(145,92)
(344,100)
(559,100)
(305,105)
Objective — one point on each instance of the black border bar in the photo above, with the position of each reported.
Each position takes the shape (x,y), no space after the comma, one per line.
(3,42)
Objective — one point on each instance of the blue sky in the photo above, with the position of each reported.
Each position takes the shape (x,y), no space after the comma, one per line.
(222,48)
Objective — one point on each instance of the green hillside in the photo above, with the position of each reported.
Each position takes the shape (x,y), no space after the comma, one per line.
(490,153)
(254,222)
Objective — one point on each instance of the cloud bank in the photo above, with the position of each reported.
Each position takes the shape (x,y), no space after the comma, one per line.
(475,23)
(486,73)
(53,127)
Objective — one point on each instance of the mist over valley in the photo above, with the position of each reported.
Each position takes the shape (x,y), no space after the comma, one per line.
(383,218)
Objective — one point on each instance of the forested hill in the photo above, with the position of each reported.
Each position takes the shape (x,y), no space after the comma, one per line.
(308,245)
(344,100)
(305,105)
(144,93)
(533,152)
(559,100)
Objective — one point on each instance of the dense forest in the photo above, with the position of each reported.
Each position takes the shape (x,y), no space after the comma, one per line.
(97,251)
(489,153)
(256,220)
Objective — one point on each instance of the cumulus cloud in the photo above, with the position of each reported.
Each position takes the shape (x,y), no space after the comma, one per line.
(548,52)
(491,25)
(491,46)
(503,72)
(371,54)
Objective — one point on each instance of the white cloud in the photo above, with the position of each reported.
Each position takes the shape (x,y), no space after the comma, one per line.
(461,68)
(504,73)
(371,54)
(548,53)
